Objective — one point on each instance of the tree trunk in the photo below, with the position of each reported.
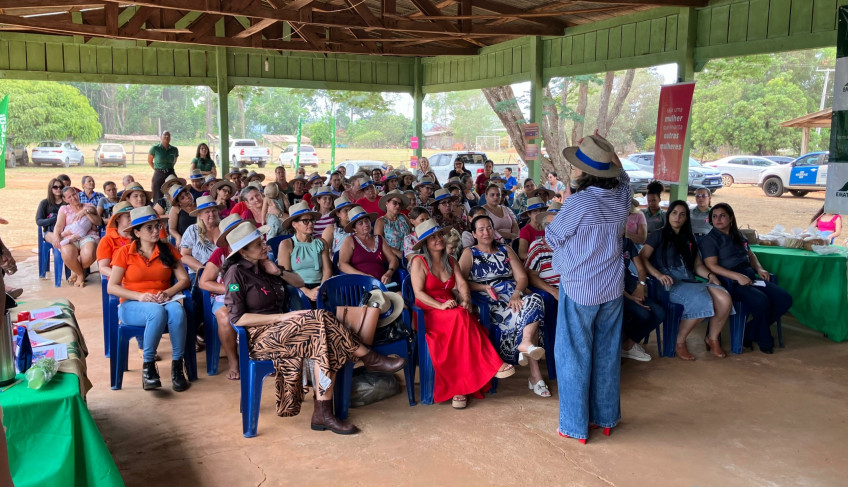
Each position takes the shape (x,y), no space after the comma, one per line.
(241,116)
(553,132)
(603,103)
(620,98)
(210,112)
(503,102)
(582,101)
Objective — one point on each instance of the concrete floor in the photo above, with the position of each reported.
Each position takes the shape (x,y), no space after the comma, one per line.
(747,420)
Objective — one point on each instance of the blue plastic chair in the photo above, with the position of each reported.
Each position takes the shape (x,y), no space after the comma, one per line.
(551,310)
(106,311)
(421,352)
(274,243)
(673,315)
(44,249)
(120,335)
(348,291)
(253,372)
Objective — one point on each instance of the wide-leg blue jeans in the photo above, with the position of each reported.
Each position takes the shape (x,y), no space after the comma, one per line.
(588,362)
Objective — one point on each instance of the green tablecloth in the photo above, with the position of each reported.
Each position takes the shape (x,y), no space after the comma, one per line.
(818,285)
(52,438)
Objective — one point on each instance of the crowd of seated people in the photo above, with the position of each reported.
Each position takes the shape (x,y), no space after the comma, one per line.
(460,243)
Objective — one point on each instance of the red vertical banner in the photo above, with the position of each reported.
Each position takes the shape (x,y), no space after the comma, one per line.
(672,123)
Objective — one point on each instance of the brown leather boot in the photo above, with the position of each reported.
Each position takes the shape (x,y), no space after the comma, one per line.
(323,419)
(374,362)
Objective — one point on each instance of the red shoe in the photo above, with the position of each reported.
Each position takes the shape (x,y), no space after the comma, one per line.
(607,431)
(581,440)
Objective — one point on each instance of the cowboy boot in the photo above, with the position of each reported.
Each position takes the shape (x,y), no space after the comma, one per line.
(323,419)
(374,362)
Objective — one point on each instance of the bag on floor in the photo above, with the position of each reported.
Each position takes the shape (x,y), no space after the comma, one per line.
(370,387)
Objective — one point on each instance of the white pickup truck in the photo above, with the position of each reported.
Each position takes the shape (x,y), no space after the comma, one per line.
(246,151)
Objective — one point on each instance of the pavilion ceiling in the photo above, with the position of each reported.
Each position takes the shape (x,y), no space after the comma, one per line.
(374,27)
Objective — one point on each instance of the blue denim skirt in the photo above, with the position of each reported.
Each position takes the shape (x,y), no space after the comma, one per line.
(695,298)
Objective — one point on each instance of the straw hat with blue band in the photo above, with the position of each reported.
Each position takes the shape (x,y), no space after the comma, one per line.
(594,156)
(170,181)
(391,175)
(226,226)
(444,194)
(243,235)
(120,208)
(542,193)
(534,204)
(131,188)
(254,174)
(175,190)
(323,191)
(312,177)
(208,182)
(455,182)
(341,202)
(298,211)
(213,190)
(426,230)
(496,176)
(364,182)
(394,194)
(358,213)
(195,174)
(144,214)
(390,305)
(426,181)
(553,208)
(205,203)
(233,172)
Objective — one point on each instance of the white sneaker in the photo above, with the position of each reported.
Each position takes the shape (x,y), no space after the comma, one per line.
(636,353)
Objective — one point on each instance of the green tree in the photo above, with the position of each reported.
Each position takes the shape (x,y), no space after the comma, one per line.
(41,110)
(395,129)
(319,131)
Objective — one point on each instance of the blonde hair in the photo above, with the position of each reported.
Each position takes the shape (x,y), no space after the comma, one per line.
(201,231)
(453,238)
(272,190)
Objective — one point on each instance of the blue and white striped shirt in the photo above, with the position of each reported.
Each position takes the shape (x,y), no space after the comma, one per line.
(586,239)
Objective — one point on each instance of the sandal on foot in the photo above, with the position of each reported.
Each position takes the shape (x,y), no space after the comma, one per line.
(539,388)
(682,352)
(505,371)
(534,352)
(459,402)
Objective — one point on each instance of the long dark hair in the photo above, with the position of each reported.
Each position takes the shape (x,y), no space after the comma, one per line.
(684,240)
(586,180)
(208,152)
(165,254)
(817,215)
(51,199)
(734,232)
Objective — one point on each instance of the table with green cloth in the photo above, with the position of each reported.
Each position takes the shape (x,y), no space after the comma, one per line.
(52,438)
(818,285)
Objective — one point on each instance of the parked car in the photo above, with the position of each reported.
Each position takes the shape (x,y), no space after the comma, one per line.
(353,167)
(308,156)
(699,176)
(780,159)
(110,154)
(57,154)
(245,151)
(801,176)
(639,178)
(16,155)
(442,163)
(741,169)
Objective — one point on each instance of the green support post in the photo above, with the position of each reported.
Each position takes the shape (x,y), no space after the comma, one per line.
(223,88)
(537,85)
(333,146)
(297,154)
(418,98)
(686,73)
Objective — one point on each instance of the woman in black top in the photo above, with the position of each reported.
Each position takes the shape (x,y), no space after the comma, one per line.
(256,299)
(459,168)
(726,253)
(48,210)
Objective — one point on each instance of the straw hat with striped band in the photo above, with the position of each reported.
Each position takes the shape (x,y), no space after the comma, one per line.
(120,208)
(145,214)
(170,181)
(298,211)
(394,194)
(455,182)
(132,187)
(341,202)
(243,235)
(499,184)
(496,176)
(174,192)
(553,208)
(208,182)
(426,181)
(205,203)
(312,177)
(322,191)
(358,213)
(427,229)
(594,156)
(226,226)
(233,172)
(534,204)
(443,194)
(195,174)
(365,181)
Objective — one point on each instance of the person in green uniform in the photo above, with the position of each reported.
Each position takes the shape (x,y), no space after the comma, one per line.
(203,161)
(162,157)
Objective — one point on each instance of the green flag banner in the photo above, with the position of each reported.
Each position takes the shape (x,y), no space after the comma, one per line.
(4,117)
(836,197)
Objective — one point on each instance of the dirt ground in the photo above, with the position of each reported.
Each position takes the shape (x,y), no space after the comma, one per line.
(27,186)
(747,420)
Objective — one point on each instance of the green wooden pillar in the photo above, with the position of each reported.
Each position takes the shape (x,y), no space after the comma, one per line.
(223,88)
(418,99)
(537,85)
(685,73)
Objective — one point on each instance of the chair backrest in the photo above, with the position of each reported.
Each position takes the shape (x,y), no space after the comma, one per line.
(274,243)
(336,270)
(406,290)
(297,300)
(346,290)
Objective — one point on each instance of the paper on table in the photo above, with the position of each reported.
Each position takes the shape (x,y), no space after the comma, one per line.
(44,313)
(37,340)
(58,352)
(45,325)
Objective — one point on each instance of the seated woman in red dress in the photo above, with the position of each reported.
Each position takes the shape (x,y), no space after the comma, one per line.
(463,357)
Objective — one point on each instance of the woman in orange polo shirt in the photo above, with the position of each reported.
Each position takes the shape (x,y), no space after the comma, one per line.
(117,236)
(141,276)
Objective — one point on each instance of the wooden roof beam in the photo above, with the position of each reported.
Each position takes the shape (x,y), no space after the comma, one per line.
(256,27)
(504,9)
(658,3)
